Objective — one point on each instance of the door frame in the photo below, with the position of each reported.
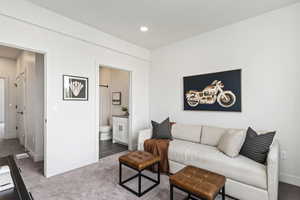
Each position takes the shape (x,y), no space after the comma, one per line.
(97,136)
(6,107)
(45,54)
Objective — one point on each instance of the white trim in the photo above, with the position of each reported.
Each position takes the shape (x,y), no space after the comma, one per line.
(130,105)
(97,118)
(45,114)
(290,179)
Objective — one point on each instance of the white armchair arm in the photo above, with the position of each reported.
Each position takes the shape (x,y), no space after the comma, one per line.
(143,135)
(273,170)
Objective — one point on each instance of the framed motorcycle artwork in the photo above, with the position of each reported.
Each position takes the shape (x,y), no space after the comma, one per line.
(220,91)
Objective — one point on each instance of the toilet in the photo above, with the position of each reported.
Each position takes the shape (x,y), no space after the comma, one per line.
(105,133)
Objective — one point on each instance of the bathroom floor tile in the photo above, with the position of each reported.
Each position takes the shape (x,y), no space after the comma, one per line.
(108,148)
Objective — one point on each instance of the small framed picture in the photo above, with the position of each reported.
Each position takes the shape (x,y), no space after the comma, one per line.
(116,98)
(75,88)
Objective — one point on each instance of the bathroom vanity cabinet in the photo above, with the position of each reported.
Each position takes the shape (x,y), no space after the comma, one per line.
(120,129)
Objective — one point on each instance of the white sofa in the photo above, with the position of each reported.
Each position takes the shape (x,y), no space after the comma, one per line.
(196,145)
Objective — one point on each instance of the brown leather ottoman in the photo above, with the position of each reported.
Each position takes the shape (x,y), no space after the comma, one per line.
(198,183)
(139,161)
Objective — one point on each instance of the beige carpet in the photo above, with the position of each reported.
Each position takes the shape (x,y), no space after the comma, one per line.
(95,182)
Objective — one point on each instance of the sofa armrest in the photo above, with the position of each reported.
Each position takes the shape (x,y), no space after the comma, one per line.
(143,135)
(273,170)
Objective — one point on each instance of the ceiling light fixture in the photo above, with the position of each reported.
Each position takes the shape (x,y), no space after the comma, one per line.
(144,28)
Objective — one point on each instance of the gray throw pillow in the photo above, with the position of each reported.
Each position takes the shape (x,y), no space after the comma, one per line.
(256,146)
(161,130)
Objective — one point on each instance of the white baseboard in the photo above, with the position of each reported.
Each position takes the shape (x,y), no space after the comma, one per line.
(290,179)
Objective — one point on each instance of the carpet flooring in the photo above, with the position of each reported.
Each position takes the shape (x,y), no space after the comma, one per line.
(95,182)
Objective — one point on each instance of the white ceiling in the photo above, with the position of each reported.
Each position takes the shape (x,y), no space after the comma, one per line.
(168,20)
(7,52)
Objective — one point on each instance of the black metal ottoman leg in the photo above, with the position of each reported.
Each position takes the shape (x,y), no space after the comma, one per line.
(171,192)
(140,184)
(223,193)
(139,175)
(120,173)
(189,196)
(158,172)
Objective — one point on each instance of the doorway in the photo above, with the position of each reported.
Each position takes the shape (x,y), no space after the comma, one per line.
(23,107)
(114,110)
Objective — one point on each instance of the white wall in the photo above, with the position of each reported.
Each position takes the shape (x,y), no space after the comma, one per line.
(120,80)
(8,71)
(266,48)
(117,81)
(72,126)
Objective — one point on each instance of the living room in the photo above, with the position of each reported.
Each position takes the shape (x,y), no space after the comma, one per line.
(161,44)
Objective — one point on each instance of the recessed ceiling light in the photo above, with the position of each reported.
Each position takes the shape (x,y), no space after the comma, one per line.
(144,28)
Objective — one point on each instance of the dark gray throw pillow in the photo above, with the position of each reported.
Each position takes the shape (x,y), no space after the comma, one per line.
(256,146)
(161,130)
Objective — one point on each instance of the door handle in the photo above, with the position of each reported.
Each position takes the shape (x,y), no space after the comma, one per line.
(21,113)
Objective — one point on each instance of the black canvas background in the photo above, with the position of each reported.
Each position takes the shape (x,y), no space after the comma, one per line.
(231,80)
(82,93)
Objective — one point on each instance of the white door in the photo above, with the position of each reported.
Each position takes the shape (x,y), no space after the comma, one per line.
(21,96)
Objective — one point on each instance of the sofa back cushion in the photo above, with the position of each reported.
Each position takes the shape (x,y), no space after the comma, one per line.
(186,132)
(211,135)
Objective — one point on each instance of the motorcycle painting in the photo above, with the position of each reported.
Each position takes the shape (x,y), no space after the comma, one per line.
(219,91)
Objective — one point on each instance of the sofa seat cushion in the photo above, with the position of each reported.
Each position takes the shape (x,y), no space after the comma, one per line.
(240,168)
